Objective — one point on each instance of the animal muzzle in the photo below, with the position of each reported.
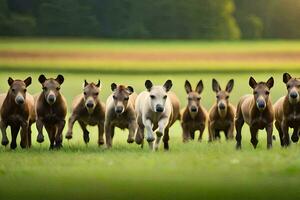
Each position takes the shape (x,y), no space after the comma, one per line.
(19,99)
(222,106)
(90,104)
(294,96)
(261,103)
(159,108)
(193,109)
(51,98)
(119,109)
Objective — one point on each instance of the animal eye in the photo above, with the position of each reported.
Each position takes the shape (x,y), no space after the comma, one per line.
(152,96)
(84,93)
(227,97)
(58,88)
(217,96)
(44,88)
(96,93)
(165,97)
(126,98)
(13,90)
(255,92)
(25,90)
(267,92)
(114,97)
(288,86)
(198,98)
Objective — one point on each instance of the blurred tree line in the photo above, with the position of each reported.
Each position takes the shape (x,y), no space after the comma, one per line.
(205,19)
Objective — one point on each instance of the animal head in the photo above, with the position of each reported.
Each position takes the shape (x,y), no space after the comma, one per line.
(193,96)
(261,92)
(158,95)
(293,87)
(121,95)
(222,95)
(51,87)
(90,95)
(18,89)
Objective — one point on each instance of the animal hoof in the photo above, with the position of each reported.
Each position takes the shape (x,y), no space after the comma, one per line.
(4,142)
(159,134)
(100,142)
(130,140)
(295,138)
(69,135)
(13,146)
(238,147)
(58,146)
(40,138)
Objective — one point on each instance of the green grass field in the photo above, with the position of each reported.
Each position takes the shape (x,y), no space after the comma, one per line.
(187,171)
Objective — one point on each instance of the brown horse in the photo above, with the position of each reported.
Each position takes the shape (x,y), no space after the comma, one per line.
(287,111)
(257,111)
(194,116)
(120,112)
(222,113)
(17,111)
(88,110)
(51,110)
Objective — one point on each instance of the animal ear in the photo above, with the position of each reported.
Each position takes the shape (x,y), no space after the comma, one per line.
(98,84)
(60,79)
(113,86)
(42,78)
(148,85)
(215,85)
(27,81)
(188,87)
(130,89)
(270,82)
(10,81)
(168,85)
(199,87)
(85,83)
(286,77)
(252,82)
(229,85)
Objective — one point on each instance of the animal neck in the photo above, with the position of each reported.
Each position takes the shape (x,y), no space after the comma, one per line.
(222,113)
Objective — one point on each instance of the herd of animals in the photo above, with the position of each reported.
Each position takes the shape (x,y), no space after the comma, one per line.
(148,115)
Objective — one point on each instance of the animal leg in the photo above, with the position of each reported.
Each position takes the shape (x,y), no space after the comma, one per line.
(285,130)
(3,127)
(29,134)
(139,137)
(58,135)
(278,127)
(100,133)
(202,128)
(72,120)
(14,134)
(269,130)
(229,133)
(39,127)
(148,125)
(51,130)
(238,126)
(254,140)
(162,124)
(185,133)
(132,129)
(24,135)
(86,137)
(295,136)
(109,130)
(166,139)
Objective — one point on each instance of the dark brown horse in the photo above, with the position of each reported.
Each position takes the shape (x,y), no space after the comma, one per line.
(51,110)
(222,113)
(88,110)
(194,116)
(257,111)
(17,111)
